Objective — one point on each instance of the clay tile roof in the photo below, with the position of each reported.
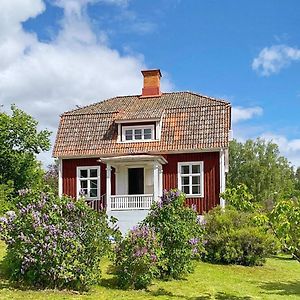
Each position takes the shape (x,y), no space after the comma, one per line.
(189,121)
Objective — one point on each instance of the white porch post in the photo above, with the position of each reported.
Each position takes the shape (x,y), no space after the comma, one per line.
(155,181)
(160,185)
(108,187)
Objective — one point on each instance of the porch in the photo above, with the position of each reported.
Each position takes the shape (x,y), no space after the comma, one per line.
(138,183)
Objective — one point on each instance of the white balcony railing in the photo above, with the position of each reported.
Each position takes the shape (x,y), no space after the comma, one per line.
(128,202)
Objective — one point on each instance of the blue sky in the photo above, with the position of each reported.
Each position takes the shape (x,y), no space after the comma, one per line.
(75,52)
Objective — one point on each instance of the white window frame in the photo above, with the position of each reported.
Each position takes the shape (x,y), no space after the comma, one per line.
(201,174)
(78,169)
(142,127)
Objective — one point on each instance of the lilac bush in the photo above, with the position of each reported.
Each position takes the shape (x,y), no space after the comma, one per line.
(137,258)
(54,242)
(179,232)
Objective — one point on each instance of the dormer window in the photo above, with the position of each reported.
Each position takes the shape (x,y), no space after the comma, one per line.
(138,133)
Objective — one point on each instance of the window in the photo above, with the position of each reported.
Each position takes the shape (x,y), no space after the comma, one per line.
(88,182)
(190,178)
(137,133)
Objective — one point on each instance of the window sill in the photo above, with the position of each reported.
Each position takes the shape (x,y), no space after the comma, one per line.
(137,141)
(194,196)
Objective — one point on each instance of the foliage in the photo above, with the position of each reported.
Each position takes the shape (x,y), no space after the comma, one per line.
(20,141)
(240,198)
(51,177)
(179,233)
(5,197)
(233,238)
(258,165)
(285,219)
(54,242)
(137,258)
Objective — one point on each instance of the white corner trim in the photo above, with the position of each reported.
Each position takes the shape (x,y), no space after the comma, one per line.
(60,181)
(222,176)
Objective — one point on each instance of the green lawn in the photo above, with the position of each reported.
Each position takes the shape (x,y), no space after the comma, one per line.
(278,279)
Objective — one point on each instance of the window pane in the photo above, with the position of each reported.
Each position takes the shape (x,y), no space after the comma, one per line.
(83,184)
(185,180)
(195,189)
(195,169)
(128,134)
(185,169)
(138,134)
(93,172)
(83,173)
(147,134)
(186,189)
(93,183)
(196,180)
(93,192)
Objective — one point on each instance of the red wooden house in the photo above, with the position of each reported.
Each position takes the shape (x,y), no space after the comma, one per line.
(122,152)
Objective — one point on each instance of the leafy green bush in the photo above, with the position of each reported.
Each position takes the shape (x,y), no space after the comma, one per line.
(179,233)
(240,198)
(137,258)
(285,220)
(232,237)
(54,242)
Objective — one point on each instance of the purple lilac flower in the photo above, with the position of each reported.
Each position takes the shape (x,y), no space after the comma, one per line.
(23,192)
(194,207)
(3,220)
(70,206)
(11,215)
(194,241)
(195,251)
(153,257)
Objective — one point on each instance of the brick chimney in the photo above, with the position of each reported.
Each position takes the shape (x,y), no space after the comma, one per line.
(151,83)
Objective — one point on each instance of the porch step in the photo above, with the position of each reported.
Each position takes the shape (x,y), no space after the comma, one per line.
(128,218)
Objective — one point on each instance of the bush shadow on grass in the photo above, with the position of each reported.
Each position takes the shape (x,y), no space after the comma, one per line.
(205,296)
(282,288)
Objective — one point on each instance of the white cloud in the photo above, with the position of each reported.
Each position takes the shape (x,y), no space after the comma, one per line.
(76,68)
(288,148)
(272,59)
(245,113)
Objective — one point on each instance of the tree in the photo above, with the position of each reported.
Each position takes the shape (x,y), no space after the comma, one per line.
(258,165)
(51,177)
(20,141)
(285,220)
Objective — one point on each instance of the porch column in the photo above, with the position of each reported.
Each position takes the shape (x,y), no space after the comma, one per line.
(108,187)
(160,182)
(155,181)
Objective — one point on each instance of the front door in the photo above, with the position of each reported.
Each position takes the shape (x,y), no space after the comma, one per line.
(135,181)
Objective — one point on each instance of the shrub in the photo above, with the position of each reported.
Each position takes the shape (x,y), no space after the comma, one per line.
(232,237)
(285,220)
(179,233)
(137,258)
(240,198)
(54,242)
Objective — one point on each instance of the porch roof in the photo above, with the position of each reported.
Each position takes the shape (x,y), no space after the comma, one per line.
(134,158)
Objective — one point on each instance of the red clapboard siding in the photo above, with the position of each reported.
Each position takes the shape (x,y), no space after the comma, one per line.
(211,177)
(69,175)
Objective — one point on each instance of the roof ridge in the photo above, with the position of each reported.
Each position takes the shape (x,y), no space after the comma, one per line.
(133,96)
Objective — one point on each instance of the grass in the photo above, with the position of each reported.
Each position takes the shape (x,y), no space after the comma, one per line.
(278,279)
